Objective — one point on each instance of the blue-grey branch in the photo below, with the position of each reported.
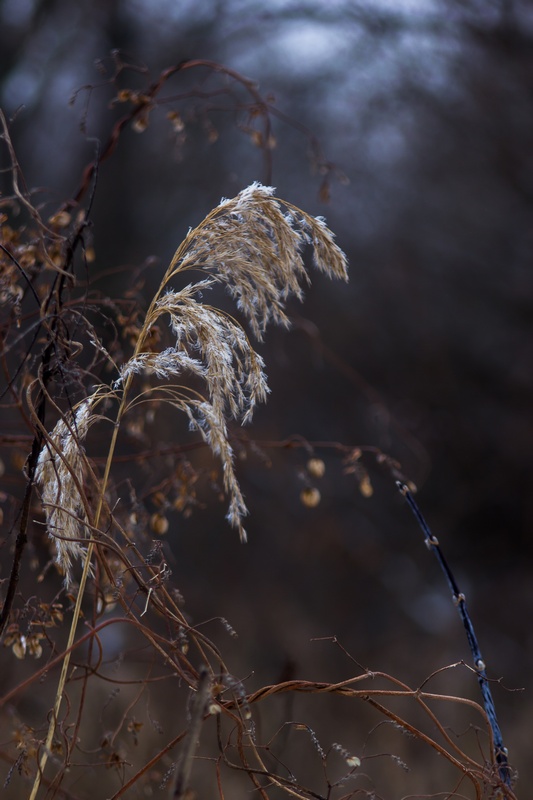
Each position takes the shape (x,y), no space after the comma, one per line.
(432,543)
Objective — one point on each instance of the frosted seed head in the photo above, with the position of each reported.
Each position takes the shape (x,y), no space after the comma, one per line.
(253,245)
(60,474)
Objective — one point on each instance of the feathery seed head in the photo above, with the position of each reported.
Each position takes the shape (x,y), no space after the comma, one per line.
(253,245)
(254,248)
(60,473)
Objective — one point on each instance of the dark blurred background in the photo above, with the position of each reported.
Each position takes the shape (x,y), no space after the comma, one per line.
(409,126)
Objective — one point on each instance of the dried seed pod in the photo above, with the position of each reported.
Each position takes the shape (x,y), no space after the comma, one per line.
(310,497)
(316,467)
(365,486)
(159,524)
(353,761)
(19,647)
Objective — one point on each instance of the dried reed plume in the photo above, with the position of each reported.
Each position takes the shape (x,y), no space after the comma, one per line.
(252,246)
(60,473)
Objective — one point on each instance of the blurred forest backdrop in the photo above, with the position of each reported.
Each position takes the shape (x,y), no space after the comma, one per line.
(408,125)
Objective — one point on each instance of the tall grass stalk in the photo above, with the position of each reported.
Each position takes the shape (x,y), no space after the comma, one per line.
(252,244)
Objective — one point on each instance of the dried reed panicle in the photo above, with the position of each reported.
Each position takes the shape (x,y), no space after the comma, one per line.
(254,247)
(59,475)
